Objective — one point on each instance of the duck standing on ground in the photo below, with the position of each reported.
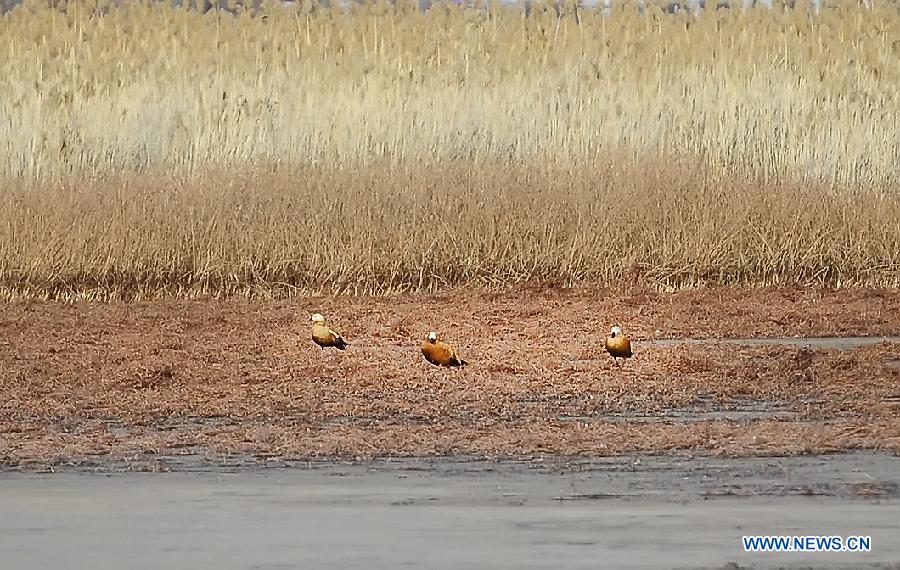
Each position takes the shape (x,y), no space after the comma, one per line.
(618,345)
(324,336)
(440,353)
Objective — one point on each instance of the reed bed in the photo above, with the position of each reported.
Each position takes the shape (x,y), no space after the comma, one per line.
(131,88)
(381,230)
(151,151)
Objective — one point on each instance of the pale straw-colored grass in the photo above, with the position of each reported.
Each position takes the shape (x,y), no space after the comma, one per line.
(149,86)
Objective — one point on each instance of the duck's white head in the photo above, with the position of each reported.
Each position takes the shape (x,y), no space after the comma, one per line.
(432,336)
(317,318)
(615,331)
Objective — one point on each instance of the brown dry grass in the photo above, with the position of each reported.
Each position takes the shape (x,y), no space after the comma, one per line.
(126,380)
(386,230)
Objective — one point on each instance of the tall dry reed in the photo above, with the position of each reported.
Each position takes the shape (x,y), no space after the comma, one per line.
(148,87)
(384,229)
(149,151)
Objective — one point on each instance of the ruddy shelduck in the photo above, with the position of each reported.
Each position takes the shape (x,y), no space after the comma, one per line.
(324,336)
(618,345)
(440,353)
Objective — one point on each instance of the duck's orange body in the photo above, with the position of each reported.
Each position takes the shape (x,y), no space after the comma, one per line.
(440,353)
(324,336)
(618,345)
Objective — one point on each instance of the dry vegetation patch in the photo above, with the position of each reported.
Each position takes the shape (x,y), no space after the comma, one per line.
(457,170)
(383,230)
(96,89)
(234,377)
(151,151)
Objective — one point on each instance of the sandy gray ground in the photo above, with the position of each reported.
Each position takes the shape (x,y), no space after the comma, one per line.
(639,512)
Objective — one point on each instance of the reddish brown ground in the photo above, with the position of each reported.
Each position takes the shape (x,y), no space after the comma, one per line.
(123,381)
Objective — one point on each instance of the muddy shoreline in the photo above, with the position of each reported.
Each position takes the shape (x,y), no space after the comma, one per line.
(863,475)
(628,512)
